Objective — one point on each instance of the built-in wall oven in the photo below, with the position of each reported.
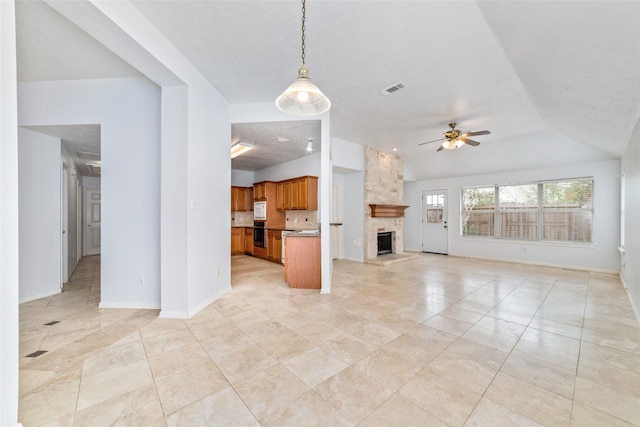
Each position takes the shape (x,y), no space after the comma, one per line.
(259,234)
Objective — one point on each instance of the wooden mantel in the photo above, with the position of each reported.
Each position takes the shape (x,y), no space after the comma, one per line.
(387,211)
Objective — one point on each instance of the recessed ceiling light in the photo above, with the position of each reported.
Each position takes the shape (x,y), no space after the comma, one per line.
(395,148)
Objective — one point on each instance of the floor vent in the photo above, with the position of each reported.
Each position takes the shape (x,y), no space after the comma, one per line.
(53,322)
(37,353)
(389,90)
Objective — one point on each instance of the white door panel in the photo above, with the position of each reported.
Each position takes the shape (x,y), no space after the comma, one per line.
(435,231)
(92,222)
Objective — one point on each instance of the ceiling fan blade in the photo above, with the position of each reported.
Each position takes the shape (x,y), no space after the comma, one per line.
(429,142)
(469,141)
(440,148)
(480,132)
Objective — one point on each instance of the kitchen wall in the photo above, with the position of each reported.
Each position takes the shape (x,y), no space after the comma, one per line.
(602,255)
(242,219)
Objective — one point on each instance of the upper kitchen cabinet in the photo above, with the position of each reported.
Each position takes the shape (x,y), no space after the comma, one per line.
(259,191)
(241,199)
(298,194)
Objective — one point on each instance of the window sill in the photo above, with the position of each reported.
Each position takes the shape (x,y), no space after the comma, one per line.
(530,242)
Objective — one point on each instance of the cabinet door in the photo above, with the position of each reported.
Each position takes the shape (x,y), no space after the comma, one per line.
(295,193)
(248,240)
(234,198)
(280,195)
(277,248)
(286,195)
(271,244)
(237,241)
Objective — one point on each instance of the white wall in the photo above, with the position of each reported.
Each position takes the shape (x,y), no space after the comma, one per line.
(630,273)
(128,111)
(307,165)
(242,178)
(9,248)
(39,210)
(603,255)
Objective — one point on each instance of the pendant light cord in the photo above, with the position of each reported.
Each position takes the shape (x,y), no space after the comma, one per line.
(304,13)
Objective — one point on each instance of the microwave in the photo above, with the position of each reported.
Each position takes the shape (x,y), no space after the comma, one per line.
(260,211)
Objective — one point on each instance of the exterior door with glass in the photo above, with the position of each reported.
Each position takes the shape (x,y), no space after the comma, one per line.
(435,231)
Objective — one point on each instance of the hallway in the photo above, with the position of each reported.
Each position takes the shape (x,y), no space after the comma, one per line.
(435,340)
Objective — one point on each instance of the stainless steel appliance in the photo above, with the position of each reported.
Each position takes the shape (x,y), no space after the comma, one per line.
(259,234)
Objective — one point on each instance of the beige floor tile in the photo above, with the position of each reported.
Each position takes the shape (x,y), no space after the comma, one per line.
(388,368)
(557,359)
(114,356)
(548,339)
(348,348)
(500,326)
(440,397)
(452,326)
(487,356)
(488,413)
(244,363)
(435,337)
(502,342)
(610,357)
(353,394)
(416,349)
(375,334)
(54,401)
(559,328)
(314,366)
(530,401)
(584,416)
(270,390)
(557,381)
(223,341)
(397,411)
(286,346)
(137,407)
(221,408)
(465,372)
(309,409)
(613,402)
(188,385)
(319,332)
(170,362)
(166,342)
(103,385)
(622,380)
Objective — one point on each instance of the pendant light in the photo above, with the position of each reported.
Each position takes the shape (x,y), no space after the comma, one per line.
(302,97)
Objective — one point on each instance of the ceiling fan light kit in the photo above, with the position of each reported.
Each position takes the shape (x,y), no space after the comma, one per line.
(303,97)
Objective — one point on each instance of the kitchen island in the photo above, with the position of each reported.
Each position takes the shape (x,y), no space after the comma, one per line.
(302,260)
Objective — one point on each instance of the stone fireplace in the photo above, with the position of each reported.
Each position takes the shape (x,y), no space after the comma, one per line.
(383,183)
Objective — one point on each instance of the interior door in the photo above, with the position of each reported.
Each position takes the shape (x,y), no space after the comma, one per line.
(435,231)
(92,222)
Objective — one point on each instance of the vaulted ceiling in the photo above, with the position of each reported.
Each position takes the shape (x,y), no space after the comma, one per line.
(554,82)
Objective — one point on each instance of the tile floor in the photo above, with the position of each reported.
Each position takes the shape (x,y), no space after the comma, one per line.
(432,341)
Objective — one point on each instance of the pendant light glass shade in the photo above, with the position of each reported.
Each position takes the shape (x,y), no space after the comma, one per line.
(302,97)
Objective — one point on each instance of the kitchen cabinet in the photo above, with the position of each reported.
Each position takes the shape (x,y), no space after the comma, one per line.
(274,245)
(259,191)
(237,240)
(241,199)
(298,194)
(248,240)
(302,261)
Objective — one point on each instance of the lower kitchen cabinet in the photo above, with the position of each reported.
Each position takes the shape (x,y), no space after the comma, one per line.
(248,240)
(274,245)
(302,262)
(237,240)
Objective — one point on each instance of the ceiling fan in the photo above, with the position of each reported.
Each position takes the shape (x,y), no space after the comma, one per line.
(454,138)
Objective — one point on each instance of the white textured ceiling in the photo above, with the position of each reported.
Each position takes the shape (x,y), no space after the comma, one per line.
(554,82)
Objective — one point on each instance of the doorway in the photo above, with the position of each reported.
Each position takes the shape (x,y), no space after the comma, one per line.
(92,205)
(435,229)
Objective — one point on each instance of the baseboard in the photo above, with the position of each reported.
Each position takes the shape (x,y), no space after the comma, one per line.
(205,303)
(35,297)
(139,306)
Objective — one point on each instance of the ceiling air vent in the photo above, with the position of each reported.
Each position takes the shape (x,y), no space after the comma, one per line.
(389,90)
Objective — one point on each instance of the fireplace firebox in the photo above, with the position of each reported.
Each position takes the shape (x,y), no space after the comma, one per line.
(385,243)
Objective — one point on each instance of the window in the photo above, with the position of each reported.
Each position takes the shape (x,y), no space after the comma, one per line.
(545,211)
(567,210)
(434,204)
(478,211)
(518,206)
